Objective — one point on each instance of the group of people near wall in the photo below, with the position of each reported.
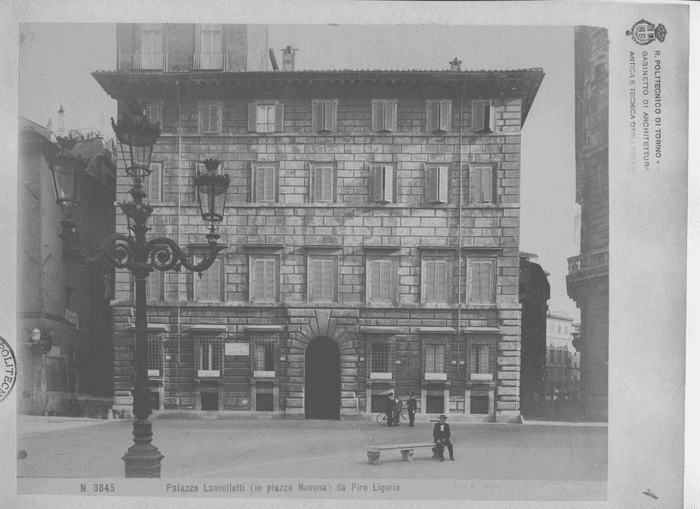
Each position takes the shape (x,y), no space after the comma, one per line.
(441,431)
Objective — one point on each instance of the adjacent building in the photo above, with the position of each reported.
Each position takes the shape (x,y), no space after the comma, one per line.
(372,227)
(563,361)
(64,314)
(533,296)
(587,281)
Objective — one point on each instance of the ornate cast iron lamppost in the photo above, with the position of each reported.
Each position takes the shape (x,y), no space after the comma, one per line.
(140,256)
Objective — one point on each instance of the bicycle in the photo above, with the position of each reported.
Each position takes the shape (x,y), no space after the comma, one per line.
(381,418)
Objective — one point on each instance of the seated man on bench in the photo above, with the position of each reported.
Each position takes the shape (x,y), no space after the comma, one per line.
(441,435)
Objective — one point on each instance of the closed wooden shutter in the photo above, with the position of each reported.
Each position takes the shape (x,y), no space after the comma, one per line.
(378,108)
(478,116)
(252,117)
(375,184)
(478,186)
(331,116)
(430,280)
(270,293)
(441,281)
(390,122)
(432,184)
(443,184)
(279,117)
(433,116)
(445,116)
(388,184)
(487,180)
(322,280)
(317,117)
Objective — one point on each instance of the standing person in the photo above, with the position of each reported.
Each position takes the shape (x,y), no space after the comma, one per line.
(412,406)
(441,435)
(390,409)
(397,409)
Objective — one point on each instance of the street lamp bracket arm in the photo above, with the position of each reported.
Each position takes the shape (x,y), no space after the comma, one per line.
(164,254)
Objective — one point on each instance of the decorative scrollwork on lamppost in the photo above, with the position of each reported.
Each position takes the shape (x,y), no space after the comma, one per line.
(132,251)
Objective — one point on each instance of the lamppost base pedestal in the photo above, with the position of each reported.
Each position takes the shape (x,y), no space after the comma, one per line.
(142,460)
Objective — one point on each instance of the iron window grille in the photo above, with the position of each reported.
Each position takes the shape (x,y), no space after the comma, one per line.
(481,358)
(264,354)
(155,354)
(381,360)
(435,359)
(209,355)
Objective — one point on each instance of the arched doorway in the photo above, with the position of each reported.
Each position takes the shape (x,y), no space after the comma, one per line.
(322,379)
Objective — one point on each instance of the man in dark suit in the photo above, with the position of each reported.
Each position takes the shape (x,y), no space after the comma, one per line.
(390,409)
(412,406)
(441,435)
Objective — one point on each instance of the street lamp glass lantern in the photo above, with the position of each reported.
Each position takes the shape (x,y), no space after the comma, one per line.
(136,136)
(64,172)
(211,192)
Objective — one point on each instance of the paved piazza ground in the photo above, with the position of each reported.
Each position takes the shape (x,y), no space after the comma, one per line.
(278,449)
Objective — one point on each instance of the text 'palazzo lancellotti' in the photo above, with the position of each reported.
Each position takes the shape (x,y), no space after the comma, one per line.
(372,226)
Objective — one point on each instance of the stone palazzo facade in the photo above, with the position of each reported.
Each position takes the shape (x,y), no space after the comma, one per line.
(372,225)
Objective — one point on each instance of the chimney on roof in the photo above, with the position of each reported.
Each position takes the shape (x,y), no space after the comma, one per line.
(61,121)
(456,65)
(288,58)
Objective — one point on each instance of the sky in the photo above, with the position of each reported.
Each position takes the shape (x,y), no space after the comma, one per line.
(56,59)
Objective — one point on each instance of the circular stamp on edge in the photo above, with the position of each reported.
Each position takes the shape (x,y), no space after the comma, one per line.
(8,369)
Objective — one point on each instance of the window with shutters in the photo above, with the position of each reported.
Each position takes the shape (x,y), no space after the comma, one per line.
(382,184)
(210,117)
(482,188)
(155,287)
(208,287)
(209,53)
(322,278)
(322,183)
(324,116)
(437,280)
(267,117)
(483,117)
(481,287)
(153,184)
(384,115)
(265,187)
(381,360)
(439,116)
(481,357)
(437,180)
(151,52)
(381,280)
(264,278)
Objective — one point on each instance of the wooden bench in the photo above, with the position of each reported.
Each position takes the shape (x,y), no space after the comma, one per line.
(373,451)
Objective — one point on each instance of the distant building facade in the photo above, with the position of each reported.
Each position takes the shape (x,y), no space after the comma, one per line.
(563,361)
(58,297)
(533,296)
(372,227)
(587,281)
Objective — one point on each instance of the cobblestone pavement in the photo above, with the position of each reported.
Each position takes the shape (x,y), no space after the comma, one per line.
(277,449)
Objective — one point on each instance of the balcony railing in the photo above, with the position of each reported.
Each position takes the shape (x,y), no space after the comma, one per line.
(211,61)
(149,61)
(588,261)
